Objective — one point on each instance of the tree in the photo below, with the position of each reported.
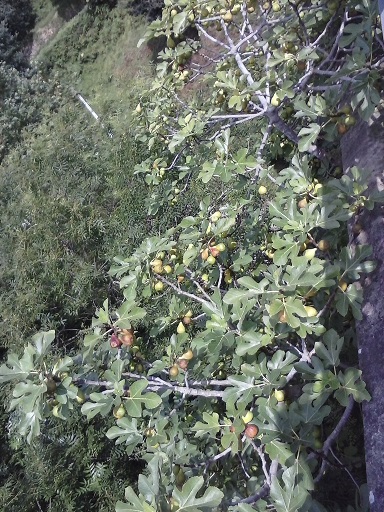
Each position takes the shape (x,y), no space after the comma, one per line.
(258,377)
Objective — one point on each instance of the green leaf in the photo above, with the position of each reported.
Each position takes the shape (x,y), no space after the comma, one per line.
(211,425)
(329,349)
(289,496)
(126,432)
(351,384)
(137,400)
(308,136)
(188,500)
(135,504)
(279,451)
(42,341)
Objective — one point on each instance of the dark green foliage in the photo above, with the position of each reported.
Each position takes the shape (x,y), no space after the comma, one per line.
(151,9)
(16,23)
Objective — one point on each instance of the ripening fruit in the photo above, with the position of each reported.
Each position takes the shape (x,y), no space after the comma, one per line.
(174,371)
(138,109)
(251,431)
(188,355)
(248,416)
(119,412)
(262,190)
(180,328)
(174,12)
(180,278)
(211,260)
(342,128)
(158,269)
(276,6)
(343,285)
(159,286)
(283,317)
(51,385)
(227,17)
(156,262)
(189,314)
(302,203)
(186,320)
(128,339)
(309,254)
(232,245)
(279,395)
(323,245)
(183,364)
(204,254)
(311,311)
(214,251)
(168,269)
(215,216)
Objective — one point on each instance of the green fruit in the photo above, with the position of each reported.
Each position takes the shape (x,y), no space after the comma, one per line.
(311,311)
(275,101)
(215,216)
(159,286)
(279,395)
(174,371)
(119,412)
(211,260)
(80,397)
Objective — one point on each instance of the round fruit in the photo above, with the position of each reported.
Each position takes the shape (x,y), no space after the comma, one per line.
(174,371)
(115,342)
(311,311)
(204,254)
(215,216)
(128,339)
(183,364)
(349,121)
(156,262)
(138,109)
(279,395)
(251,431)
(149,432)
(186,320)
(214,251)
(342,128)
(205,278)
(159,286)
(221,247)
(275,101)
(248,416)
(168,269)
(180,328)
(302,203)
(323,245)
(180,279)
(343,285)
(51,385)
(211,260)
(119,412)
(262,190)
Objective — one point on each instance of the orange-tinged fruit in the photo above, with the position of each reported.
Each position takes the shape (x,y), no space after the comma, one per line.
(204,254)
(188,355)
(251,431)
(283,317)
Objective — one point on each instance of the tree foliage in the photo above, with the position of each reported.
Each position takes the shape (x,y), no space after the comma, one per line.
(257,380)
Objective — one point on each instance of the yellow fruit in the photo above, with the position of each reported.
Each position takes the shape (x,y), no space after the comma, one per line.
(323,245)
(309,254)
(138,109)
(311,311)
(343,285)
(159,286)
(215,216)
(156,262)
(80,397)
(276,6)
(205,278)
(220,247)
(188,355)
(228,276)
(275,101)
(279,395)
(158,269)
(174,371)
(227,17)
(248,416)
(189,313)
(168,269)
(262,190)
(180,328)
(119,412)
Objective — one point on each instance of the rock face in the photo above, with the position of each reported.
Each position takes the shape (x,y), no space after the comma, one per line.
(364,147)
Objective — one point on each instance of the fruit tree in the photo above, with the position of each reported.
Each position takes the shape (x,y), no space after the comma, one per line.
(259,374)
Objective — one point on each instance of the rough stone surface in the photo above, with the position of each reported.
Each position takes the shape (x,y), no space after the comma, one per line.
(364,147)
